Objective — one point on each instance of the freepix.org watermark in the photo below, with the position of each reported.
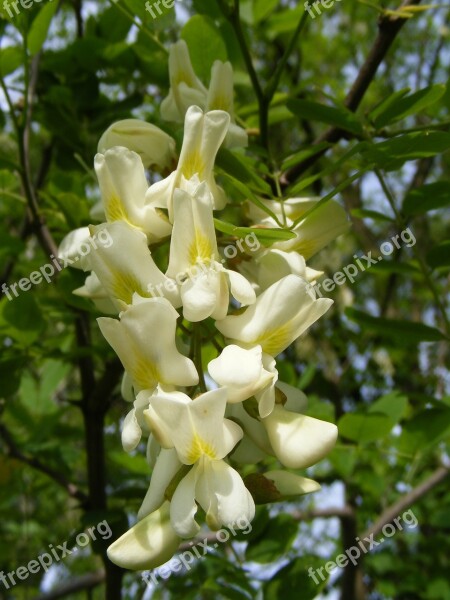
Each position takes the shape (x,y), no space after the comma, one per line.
(366,545)
(351,271)
(18,5)
(154,8)
(197,552)
(49,270)
(314,7)
(46,559)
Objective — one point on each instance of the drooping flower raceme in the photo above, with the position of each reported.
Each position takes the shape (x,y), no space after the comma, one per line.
(170,288)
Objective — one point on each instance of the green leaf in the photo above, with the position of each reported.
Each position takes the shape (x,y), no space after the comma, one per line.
(387,267)
(282,23)
(392,154)
(40,26)
(112,24)
(394,405)
(295,581)
(404,106)
(385,104)
(132,464)
(276,540)
(11,370)
(263,9)
(439,256)
(365,428)
(362,213)
(299,157)
(205,44)
(21,318)
(424,430)
(10,59)
(344,459)
(338,117)
(266,236)
(236,167)
(427,197)
(403,332)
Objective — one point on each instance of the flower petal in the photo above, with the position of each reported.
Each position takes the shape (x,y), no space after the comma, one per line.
(297,440)
(290,484)
(279,316)
(147,545)
(156,149)
(124,273)
(183,506)
(149,360)
(166,467)
(240,371)
(131,432)
(223,496)
(241,289)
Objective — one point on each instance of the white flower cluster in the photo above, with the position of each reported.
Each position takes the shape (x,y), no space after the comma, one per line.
(247,414)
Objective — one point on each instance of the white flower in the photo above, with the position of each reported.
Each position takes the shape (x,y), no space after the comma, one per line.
(156,149)
(166,467)
(245,373)
(94,290)
(126,266)
(204,282)
(314,232)
(279,316)
(273,265)
(186,89)
(203,136)
(123,186)
(220,97)
(147,545)
(144,340)
(69,248)
(299,441)
(202,437)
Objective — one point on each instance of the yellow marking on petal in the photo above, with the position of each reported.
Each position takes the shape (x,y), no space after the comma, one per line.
(221,103)
(201,249)
(115,210)
(200,448)
(145,373)
(182,77)
(271,341)
(306,248)
(124,285)
(194,165)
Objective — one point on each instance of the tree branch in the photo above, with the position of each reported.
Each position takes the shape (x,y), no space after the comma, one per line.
(388,28)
